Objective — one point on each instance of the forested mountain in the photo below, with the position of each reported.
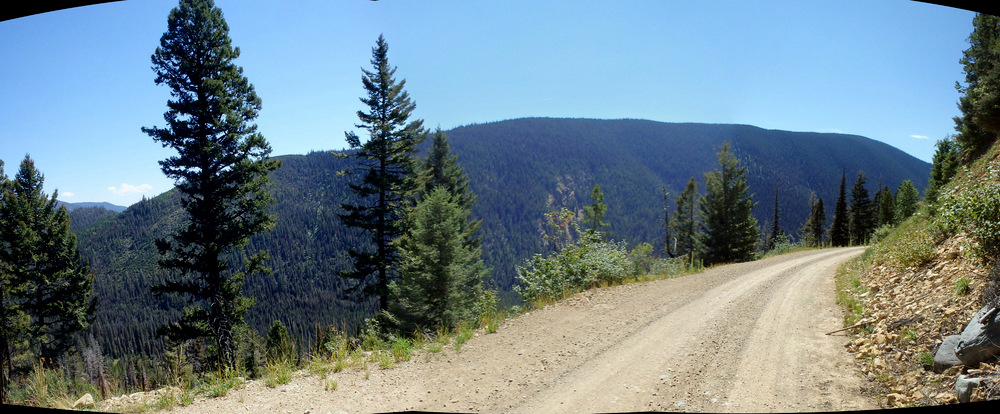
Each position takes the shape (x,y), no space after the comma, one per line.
(519,169)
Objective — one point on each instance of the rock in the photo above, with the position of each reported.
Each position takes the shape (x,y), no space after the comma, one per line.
(980,341)
(964,387)
(945,356)
(86,401)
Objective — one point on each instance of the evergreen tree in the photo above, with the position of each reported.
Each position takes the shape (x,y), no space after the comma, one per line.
(13,321)
(668,250)
(440,276)
(593,215)
(388,184)
(441,169)
(862,217)
(279,347)
(776,231)
(729,230)
(685,221)
(943,167)
(906,201)
(979,123)
(886,205)
(221,171)
(48,288)
(839,229)
(812,231)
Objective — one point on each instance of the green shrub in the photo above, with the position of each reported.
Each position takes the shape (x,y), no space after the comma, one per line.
(975,210)
(589,263)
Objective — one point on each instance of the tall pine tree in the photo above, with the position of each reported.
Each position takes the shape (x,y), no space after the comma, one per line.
(776,232)
(862,212)
(729,230)
(48,288)
(685,221)
(979,123)
(812,231)
(839,229)
(221,172)
(387,164)
(906,200)
(943,167)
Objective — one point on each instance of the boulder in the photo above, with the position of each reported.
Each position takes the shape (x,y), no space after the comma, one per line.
(945,356)
(86,401)
(964,387)
(981,338)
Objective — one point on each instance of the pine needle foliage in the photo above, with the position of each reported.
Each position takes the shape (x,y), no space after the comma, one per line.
(729,230)
(388,175)
(221,169)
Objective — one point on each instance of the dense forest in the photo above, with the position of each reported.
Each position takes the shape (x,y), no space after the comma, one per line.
(520,169)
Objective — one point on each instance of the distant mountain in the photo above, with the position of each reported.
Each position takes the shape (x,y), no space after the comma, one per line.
(520,169)
(73,206)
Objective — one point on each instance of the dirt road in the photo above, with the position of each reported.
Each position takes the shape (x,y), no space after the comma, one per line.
(740,338)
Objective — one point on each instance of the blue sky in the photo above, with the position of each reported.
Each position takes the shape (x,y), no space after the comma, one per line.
(76,85)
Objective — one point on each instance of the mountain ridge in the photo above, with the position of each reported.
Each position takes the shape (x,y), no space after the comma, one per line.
(519,168)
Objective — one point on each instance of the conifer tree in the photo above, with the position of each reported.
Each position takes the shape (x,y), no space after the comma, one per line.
(388,183)
(13,321)
(812,231)
(729,230)
(906,200)
(685,221)
(839,229)
(776,231)
(862,213)
(886,205)
(979,123)
(943,167)
(440,276)
(48,288)
(593,215)
(221,172)
(441,169)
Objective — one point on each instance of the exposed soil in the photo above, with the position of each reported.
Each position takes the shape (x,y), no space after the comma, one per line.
(748,337)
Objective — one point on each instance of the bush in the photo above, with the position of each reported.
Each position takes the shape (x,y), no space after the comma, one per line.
(976,211)
(589,263)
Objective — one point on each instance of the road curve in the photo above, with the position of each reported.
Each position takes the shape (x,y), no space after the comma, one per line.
(747,337)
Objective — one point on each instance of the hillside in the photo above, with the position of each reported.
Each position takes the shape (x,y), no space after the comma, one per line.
(918,285)
(519,168)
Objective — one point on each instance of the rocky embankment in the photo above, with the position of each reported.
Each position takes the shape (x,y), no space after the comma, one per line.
(910,312)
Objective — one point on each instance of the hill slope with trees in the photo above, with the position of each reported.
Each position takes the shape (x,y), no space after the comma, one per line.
(519,169)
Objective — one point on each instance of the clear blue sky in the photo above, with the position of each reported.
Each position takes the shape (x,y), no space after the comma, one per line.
(76,85)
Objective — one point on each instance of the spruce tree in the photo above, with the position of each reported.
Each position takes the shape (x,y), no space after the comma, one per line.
(839,229)
(440,275)
(441,169)
(885,202)
(979,123)
(729,230)
(943,167)
(593,215)
(906,200)
(685,221)
(862,212)
(48,288)
(776,232)
(387,164)
(812,231)
(13,321)
(221,172)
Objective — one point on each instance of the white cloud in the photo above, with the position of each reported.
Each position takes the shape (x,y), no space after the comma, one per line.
(920,137)
(66,195)
(129,189)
